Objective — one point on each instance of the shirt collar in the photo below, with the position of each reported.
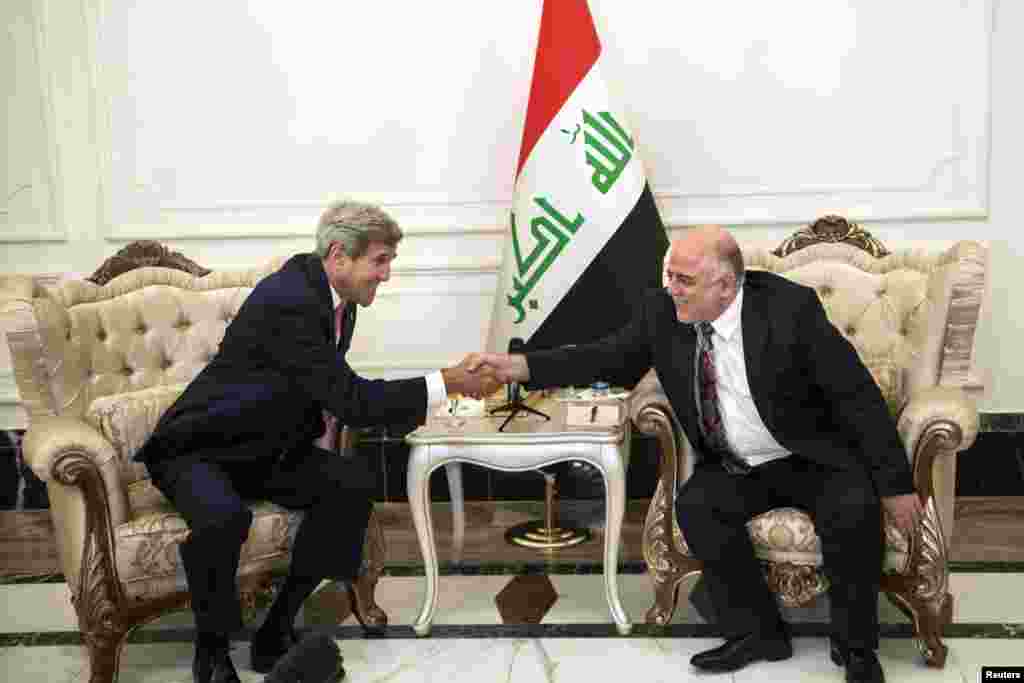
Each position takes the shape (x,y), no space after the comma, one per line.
(727,323)
(336,299)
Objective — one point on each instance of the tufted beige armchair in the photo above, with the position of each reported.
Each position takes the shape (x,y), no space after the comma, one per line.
(911,316)
(96,366)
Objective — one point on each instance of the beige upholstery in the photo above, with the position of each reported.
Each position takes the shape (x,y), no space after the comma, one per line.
(911,316)
(96,367)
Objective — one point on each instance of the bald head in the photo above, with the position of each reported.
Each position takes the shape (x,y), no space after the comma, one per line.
(703,272)
(713,245)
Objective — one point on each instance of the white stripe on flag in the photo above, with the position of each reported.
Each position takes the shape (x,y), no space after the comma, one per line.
(558,173)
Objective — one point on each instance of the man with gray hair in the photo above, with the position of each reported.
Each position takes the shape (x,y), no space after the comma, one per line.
(261,421)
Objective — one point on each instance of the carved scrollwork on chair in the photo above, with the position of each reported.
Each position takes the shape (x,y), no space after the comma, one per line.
(98,598)
(832,229)
(144,253)
(922,590)
(795,584)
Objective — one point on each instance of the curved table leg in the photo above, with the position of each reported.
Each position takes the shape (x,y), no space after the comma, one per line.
(454,472)
(615,508)
(417,482)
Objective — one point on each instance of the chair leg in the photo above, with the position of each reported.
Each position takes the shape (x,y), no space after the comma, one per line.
(921,592)
(666,565)
(929,617)
(361,592)
(104,651)
(666,597)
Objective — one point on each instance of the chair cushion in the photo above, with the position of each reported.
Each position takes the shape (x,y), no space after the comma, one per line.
(127,420)
(787,535)
(148,562)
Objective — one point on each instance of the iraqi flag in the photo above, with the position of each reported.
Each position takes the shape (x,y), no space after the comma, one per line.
(585,237)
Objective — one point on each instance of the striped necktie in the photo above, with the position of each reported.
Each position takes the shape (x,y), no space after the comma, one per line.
(707,402)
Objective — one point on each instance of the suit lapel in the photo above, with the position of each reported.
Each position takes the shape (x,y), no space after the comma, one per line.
(348,326)
(755,342)
(684,350)
(317,278)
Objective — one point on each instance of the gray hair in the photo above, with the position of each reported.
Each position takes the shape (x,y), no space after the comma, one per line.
(355,225)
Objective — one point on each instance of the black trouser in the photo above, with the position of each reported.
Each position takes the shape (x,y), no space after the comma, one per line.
(713,508)
(333,491)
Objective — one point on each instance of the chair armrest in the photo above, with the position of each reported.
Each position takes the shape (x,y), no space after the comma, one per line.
(935,425)
(652,414)
(648,390)
(937,421)
(50,439)
(83,481)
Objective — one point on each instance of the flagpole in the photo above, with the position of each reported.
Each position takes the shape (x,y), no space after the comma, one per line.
(585,239)
(546,534)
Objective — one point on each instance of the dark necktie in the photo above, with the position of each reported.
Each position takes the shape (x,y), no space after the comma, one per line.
(339,315)
(707,402)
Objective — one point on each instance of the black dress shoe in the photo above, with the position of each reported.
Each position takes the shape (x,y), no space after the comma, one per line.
(269,646)
(315,659)
(862,666)
(213,666)
(738,652)
(837,651)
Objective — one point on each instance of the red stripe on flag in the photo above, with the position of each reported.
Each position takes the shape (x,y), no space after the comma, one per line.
(566,49)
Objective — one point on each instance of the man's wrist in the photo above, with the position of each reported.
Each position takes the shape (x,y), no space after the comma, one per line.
(450,383)
(455,380)
(522,367)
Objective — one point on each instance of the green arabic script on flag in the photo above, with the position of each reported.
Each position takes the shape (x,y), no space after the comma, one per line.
(609,165)
(546,233)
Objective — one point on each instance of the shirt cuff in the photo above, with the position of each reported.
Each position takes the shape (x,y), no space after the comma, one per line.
(437,393)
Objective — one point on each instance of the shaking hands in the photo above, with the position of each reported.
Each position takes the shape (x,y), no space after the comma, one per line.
(476,383)
(506,367)
(481,374)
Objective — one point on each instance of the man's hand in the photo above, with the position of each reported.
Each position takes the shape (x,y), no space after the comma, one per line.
(904,511)
(477,382)
(507,367)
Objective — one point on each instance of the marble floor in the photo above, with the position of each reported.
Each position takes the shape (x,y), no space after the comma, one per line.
(574,641)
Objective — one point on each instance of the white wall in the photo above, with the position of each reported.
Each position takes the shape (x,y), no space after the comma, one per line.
(222,129)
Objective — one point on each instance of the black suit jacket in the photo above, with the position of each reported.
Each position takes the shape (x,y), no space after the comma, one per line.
(812,391)
(276,370)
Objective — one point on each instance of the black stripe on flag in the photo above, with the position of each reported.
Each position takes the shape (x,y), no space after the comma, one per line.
(604,297)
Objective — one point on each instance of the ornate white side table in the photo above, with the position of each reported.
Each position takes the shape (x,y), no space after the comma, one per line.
(527,443)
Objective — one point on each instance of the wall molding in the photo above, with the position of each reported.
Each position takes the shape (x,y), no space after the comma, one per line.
(419,216)
(45,174)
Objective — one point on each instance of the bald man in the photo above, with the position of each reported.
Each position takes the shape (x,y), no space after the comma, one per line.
(782,413)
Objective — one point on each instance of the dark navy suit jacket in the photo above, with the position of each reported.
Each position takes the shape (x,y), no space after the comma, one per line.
(276,370)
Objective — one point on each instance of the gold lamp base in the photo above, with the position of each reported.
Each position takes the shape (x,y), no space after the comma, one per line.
(537,535)
(546,534)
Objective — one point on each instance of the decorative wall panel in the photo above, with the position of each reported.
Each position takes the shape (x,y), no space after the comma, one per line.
(28,171)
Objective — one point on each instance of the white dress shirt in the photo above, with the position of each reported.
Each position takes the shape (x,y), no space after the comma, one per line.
(437,392)
(744,429)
